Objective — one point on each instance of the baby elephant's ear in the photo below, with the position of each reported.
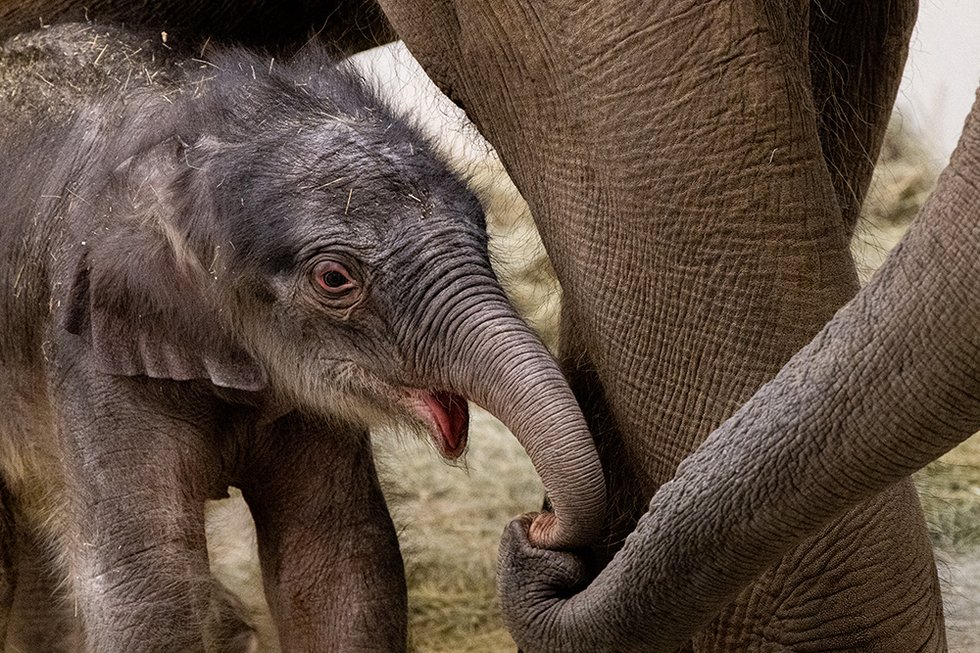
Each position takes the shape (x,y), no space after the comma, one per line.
(143,317)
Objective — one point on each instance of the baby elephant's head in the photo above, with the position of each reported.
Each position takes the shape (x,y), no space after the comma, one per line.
(295,236)
(356,268)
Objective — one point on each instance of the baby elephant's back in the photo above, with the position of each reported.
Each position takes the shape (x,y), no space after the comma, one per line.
(49,74)
(55,85)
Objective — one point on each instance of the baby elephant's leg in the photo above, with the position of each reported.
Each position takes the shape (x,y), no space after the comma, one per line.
(44,615)
(139,466)
(333,571)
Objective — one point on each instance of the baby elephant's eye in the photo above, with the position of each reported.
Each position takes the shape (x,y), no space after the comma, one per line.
(333,277)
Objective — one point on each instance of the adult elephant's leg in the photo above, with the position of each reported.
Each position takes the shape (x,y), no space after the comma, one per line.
(330,559)
(672,157)
(856,56)
(8,544)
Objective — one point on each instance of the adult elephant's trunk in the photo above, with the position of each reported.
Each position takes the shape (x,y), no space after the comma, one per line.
(493,359)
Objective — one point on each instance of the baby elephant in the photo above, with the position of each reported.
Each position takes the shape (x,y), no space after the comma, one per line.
(222,273)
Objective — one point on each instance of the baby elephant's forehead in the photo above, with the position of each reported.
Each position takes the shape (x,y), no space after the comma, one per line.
(366,185)
(380,227)
(356,141)
(386,181)
(379,172)
(362,212)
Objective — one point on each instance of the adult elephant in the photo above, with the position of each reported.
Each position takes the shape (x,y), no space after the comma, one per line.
(891,383)
(696,170)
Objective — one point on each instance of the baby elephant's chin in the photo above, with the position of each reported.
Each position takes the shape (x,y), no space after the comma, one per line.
(445,416)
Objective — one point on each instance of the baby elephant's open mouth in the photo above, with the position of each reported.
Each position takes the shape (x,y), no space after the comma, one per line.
(446,417)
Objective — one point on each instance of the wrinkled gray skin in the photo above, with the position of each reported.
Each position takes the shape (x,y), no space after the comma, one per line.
(221,274)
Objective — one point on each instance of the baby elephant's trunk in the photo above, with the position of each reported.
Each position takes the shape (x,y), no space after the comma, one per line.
(500,364)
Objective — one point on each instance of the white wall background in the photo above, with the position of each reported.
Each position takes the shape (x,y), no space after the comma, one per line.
(942,73)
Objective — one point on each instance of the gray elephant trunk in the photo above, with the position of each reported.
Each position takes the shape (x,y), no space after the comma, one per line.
(501,365)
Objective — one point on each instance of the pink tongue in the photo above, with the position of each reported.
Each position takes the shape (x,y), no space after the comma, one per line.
(452,417)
